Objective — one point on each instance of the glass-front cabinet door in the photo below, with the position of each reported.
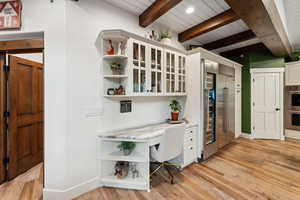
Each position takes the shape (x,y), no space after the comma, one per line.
(156,70)
(181,75)
(170,72)
(139,67)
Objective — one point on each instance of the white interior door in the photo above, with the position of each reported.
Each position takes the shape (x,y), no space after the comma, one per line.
(266,105)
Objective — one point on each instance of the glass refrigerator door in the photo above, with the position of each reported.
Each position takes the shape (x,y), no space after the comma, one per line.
(211,114)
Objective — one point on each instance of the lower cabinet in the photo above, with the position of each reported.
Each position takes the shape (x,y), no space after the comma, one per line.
(189,153)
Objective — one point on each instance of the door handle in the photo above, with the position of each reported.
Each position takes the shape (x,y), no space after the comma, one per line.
(277,109)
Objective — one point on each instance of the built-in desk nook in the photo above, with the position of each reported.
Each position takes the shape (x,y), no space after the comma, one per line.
(144,138)
(137,69)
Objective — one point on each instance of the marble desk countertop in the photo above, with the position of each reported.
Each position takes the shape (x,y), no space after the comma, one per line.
(141,133)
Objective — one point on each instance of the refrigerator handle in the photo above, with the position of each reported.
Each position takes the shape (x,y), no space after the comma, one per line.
(225,107)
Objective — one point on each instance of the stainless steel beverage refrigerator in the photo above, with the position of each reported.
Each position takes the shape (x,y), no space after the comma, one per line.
(218,103)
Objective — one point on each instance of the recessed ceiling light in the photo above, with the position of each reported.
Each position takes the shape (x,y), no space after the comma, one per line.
(190,10)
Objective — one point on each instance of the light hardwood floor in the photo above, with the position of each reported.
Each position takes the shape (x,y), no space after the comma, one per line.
(28,186)
(246,169)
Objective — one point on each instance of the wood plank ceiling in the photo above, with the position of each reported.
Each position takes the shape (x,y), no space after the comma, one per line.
(212,22)
(177,20)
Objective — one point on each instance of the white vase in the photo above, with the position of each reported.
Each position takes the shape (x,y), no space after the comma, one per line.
(166,41)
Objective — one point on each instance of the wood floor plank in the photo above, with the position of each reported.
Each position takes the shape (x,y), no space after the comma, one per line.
(244,170)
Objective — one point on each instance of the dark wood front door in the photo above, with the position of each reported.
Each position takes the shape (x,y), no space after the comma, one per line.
(2,118)
(25,127)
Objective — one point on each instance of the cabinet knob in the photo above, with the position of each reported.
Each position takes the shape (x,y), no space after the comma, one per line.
(191,148)
(191,139)
(191,131)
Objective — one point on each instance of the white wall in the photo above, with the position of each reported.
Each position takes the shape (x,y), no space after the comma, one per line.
(50,18)
(85,20)
(73,87)
(37,57)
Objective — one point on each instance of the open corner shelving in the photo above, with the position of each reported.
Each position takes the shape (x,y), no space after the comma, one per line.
(110,154)
(149,69)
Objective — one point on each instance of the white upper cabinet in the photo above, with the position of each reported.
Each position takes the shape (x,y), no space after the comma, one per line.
(146,68)
(170,72)
(175,79)
(292,73)
(138,67)
(181,75)
(156,69)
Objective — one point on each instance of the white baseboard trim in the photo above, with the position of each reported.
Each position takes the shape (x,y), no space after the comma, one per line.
(72,192)
(292,134)
(246,135)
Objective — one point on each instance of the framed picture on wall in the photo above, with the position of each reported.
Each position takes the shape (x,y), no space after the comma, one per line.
(10,14)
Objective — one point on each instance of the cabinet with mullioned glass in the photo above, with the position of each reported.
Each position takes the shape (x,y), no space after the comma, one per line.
(175,73)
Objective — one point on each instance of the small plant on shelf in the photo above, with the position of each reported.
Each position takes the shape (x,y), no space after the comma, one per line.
(164,35)
(116,68)
(175,109)
(127,147)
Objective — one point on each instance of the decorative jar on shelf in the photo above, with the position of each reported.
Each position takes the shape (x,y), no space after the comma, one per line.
(166,41)
(121,169)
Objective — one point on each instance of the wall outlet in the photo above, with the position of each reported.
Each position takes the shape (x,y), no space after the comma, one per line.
(125,106)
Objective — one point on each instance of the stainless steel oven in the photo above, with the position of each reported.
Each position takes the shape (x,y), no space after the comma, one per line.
(293,98)
(292,118)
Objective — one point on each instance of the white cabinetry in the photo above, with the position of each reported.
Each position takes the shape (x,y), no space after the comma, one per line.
(189,153)
(138,65)
(238,77)
(238,101)
(156,69)
(175,79)
(292,73)
(148,68)
(109,154)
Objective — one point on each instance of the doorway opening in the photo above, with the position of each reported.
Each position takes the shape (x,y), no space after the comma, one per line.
(21,113)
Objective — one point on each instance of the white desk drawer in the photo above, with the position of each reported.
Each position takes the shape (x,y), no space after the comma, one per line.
(190,132)
(190,141)
(190,153)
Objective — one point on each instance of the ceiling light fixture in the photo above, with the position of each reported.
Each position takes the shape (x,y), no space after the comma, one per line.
(190,10)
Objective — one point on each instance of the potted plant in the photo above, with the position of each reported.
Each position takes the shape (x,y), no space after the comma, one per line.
(176,109)
(127,147)
(165,38)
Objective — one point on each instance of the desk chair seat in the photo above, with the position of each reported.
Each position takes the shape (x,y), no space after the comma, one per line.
(170,147)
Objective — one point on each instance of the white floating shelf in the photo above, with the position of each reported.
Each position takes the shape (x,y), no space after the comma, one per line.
(117,96)
(127,182)
(115,57)
(146,95)
(115,76)
(119,156)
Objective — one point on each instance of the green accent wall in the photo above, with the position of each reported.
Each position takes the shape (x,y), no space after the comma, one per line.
(259,59)
(265,59)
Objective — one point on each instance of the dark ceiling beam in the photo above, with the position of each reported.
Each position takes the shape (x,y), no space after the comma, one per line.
(244,50)
(213,23)
(156,10)
(263,18)
(236,38)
